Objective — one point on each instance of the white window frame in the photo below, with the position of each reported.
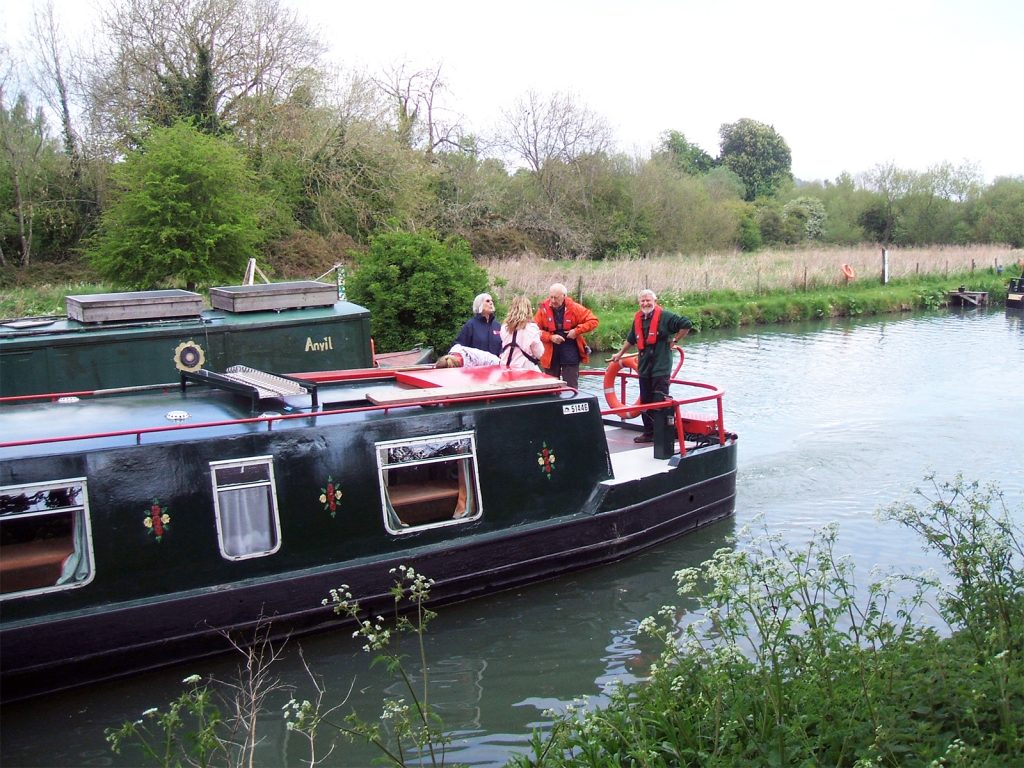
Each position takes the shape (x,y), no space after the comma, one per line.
(80,511)
(473,494)
(265,461)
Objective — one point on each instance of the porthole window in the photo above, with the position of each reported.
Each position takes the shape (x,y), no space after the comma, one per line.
(429,482)
(45,537)
(245,500)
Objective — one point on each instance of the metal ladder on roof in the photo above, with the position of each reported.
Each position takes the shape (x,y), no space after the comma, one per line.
(255,384)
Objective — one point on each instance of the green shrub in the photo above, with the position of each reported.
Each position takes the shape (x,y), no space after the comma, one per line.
(749,239)
(419,290)
(186,210)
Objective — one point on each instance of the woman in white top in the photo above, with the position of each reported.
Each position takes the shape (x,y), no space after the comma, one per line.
(521,346)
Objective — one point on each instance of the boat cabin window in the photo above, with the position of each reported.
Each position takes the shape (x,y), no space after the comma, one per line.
(428,482)
(45,537)
(245,500)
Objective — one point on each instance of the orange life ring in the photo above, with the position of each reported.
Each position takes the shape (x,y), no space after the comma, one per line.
(848,272)
(611,376)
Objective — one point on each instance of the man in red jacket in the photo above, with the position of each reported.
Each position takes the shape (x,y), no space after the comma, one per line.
(562,323)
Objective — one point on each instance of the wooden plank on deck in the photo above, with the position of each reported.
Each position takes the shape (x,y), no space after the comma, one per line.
(433,394)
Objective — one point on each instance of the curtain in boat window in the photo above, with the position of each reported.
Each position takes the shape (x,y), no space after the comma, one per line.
(246,521)
(246,507)
(77,567)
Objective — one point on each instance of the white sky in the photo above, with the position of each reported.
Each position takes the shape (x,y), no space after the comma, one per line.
(848,85)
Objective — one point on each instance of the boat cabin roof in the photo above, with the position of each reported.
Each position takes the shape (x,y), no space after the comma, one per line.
(50,424)
(54,327)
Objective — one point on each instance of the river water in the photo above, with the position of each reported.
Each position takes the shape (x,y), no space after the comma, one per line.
(836,420)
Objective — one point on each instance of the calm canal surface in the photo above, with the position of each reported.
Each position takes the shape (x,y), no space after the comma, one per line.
(836,420)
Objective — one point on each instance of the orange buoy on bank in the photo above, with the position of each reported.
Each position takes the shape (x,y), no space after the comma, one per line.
(611,376)
(848,272)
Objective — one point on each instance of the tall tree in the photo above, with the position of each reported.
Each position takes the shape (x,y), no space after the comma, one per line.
(687,157)
(207,60)
(25,149)
(54,81)
(186,209)
(539,130)
(999,212)
(420,119)
(892,185)
(560,141)
(757,154)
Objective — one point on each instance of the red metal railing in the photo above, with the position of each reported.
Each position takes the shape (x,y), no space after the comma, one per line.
(676,403)
(680,418)
(269,420)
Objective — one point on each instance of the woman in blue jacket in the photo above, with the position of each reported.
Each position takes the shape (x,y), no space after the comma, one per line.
(483,331)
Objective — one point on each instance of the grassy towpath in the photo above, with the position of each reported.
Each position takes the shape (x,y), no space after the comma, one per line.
(730,290)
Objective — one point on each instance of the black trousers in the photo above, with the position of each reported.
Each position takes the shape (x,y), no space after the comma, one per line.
(653,389)
(570,374)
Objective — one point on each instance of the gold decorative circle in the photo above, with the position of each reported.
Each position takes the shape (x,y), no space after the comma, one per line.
(189,356)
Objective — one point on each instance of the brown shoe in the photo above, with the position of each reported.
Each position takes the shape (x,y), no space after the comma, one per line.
(645,438)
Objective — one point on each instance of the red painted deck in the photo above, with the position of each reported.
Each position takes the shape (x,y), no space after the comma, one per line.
(484,376)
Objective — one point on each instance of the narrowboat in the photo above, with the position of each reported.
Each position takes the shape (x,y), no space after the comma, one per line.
(137,338)
(1015,292)
(147,527)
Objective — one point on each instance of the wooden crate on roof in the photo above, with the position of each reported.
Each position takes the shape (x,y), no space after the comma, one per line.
(297,294)
(133,305)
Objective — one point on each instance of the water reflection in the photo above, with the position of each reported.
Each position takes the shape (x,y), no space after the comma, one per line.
(835,420)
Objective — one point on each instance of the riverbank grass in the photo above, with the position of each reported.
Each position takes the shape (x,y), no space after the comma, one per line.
(730,309)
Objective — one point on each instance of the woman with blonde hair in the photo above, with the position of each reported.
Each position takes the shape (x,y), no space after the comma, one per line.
(521,346)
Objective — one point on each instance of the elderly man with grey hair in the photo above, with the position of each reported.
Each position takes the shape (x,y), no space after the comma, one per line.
(483,330)
(654,332)
(562,323)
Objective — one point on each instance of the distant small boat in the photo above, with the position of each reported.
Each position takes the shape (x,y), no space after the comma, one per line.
(141,528)
(1015,292)
(139,338)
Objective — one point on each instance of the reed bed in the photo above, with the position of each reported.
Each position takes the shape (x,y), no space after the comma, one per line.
(747,273)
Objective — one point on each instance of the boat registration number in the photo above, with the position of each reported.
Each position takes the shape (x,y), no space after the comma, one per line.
(575,408)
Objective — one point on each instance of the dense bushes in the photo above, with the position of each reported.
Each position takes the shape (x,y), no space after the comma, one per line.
(419,289)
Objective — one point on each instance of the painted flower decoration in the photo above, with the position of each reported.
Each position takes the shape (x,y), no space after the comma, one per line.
(157,520)
(330,496)
(546,460)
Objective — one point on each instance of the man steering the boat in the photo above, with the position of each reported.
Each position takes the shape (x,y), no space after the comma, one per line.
(655,330)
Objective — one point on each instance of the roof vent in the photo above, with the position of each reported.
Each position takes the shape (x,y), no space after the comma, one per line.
(177,415)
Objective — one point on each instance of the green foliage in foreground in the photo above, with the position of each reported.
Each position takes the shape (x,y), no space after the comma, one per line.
(790,665)
(419,290)
(729,309)
(218,723)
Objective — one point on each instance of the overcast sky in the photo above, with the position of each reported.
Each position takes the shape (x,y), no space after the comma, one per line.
(848,85)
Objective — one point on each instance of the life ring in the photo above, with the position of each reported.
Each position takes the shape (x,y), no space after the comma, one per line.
(848,272)
(611,376)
